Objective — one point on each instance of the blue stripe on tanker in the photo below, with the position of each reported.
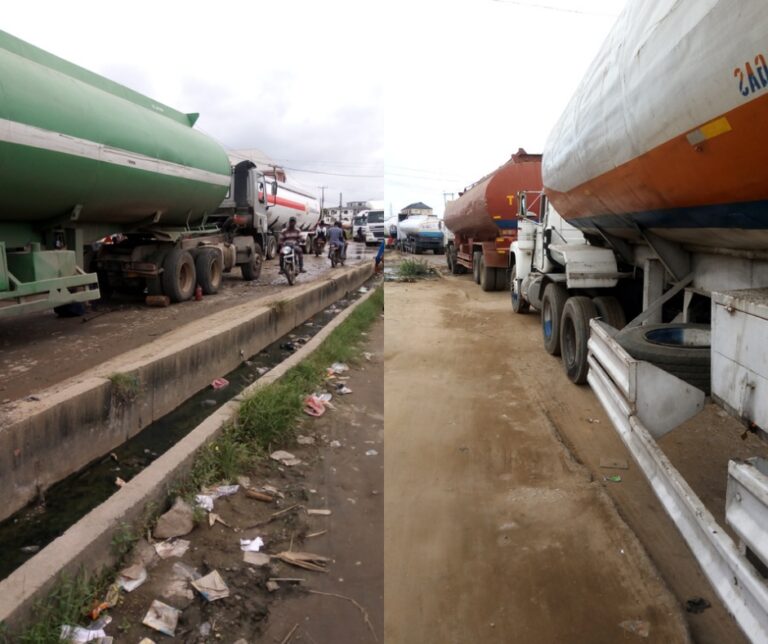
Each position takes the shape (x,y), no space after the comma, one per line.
(751,216)
(431,234)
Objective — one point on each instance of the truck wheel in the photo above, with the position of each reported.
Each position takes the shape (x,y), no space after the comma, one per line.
(609,310)
(680,349)
(209,270)
(476,265)
(271,250)
(552,305)
(519,303)
(178,278)
(252,269)
(502,282)
(487,276)
(439,251)
(450,259)
(574,336)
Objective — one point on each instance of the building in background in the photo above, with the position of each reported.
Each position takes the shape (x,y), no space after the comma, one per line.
(415,209)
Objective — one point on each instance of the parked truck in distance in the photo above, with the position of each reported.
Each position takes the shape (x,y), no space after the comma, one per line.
(483,220)
(374,227)
(650,263)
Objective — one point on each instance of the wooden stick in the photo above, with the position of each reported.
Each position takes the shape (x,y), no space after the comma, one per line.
(359,607)
(273,516)
(315,534)
(290,634)
(259,496)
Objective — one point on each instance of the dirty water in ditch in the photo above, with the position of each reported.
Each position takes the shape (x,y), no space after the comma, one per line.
(32,528)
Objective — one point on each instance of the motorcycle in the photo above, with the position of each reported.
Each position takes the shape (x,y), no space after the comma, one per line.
(336,256)
(288,265)
(318,246)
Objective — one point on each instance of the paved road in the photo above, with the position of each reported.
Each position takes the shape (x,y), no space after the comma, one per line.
(493,532)
(40,349)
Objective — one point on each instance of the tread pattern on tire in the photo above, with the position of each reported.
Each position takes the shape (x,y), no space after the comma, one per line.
(691,364)
(577,313)
(173,264)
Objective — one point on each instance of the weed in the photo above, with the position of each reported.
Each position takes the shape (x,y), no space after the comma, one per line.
(66,603)
(220,460)
(414,268)
(122,541)
(125,387)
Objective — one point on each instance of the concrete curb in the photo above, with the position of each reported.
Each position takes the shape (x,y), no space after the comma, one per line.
(88,544)
(81,419)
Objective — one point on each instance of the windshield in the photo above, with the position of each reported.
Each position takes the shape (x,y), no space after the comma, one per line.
(360,221)
(376,217)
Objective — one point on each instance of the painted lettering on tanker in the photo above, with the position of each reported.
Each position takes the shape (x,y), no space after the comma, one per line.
(752,79)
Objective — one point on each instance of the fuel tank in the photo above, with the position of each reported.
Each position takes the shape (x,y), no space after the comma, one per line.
(489,208)
(75,144)
(292,201)
(667,129)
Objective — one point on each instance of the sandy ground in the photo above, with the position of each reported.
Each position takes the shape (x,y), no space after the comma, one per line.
(493,531)
(41,349)
(699,449)
(343,479)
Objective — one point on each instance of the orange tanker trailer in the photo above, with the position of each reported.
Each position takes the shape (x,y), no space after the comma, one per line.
(483,220)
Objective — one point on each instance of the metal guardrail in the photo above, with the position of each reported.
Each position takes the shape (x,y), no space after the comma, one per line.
(628,390)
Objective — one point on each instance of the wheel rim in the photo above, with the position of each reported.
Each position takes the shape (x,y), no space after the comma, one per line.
(186,277)
(546,318)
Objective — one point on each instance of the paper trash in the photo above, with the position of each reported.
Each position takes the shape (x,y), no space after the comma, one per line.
(171,548)
(212,586)
(132,577)
(251,545)
(162,618)
(79,634)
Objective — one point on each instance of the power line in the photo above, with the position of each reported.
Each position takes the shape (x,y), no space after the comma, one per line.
(532,5)
(336,174)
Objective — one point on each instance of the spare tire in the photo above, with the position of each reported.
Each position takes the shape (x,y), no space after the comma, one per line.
(678,348)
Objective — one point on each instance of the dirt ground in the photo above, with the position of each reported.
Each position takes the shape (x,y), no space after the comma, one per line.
(699,449)
(493,531)
(41,349)
(348,480)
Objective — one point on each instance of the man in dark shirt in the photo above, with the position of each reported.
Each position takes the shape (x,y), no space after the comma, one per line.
(292,235)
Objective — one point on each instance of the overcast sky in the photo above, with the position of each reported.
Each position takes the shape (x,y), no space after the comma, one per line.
(445,91)
(300,80)
(474,80)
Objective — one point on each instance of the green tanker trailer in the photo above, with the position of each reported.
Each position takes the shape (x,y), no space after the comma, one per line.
(83,159)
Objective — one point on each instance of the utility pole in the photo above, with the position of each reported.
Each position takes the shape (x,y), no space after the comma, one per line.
(322,201)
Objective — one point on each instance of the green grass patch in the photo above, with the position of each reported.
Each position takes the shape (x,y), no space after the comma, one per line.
(411,268)
(264,421)
(67,603)
(125,387)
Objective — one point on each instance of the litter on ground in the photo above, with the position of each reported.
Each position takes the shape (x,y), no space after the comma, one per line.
(251,545)
(211,587)
(219,383)
(313,406)
(257,559)
(162,618)
(286,458)
(131,578)
(177,522)
(305,440)
(320,512)
(306,560)
(171,548)
(339,367)
(371,452)
(79,634)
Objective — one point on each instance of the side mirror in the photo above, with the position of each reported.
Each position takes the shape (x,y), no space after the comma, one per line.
(274,188)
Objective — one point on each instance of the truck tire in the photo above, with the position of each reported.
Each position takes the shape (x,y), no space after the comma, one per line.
(178,278)
(271,249)
(502,279)
(476,255)
(439,251)
(680,349)
(208,266)
(610,311)
(574,336)
(552,305)
(252,269)
(487,276)
(519,303)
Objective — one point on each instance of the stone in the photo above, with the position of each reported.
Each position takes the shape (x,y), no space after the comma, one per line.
(177,522)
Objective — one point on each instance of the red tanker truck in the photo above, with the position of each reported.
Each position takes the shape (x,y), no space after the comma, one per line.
(484,220)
